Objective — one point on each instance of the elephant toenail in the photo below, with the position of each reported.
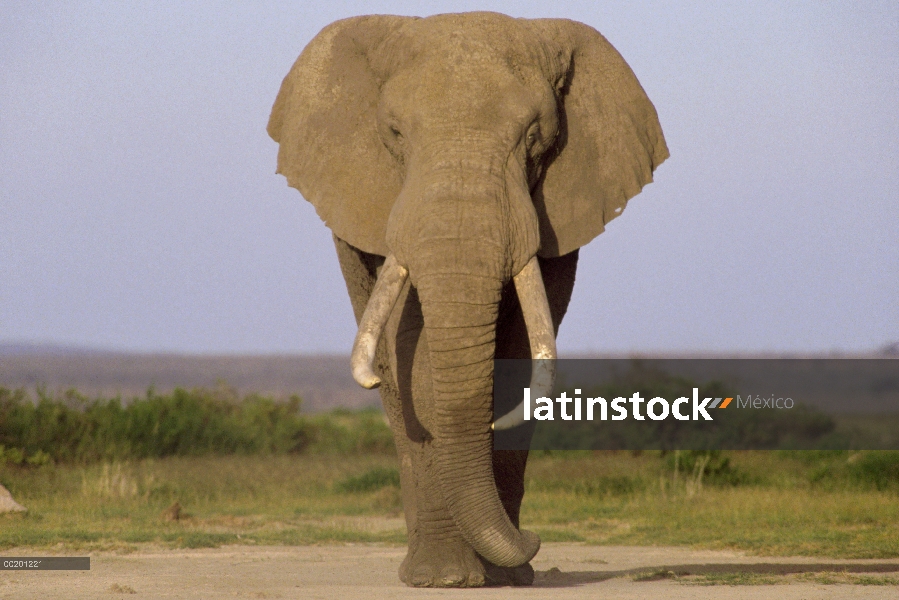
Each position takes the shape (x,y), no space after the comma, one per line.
(421,580)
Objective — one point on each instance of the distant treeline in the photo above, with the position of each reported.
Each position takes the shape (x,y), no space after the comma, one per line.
(324,382)
(73,428)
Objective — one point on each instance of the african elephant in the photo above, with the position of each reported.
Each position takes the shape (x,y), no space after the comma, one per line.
(460,161)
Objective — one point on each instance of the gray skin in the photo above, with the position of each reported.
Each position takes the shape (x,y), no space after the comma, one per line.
(464,145)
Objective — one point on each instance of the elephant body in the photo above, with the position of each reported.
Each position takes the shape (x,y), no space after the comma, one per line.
(461,161)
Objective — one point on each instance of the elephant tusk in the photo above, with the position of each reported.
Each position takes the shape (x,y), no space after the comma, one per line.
(383,297)
(541,333)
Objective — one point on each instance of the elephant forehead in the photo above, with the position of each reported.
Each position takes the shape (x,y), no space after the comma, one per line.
(471,23)
(474,39)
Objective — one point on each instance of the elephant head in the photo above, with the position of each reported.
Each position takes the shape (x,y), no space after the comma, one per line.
(461,147)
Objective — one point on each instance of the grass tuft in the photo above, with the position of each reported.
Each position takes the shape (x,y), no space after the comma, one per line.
(737,578)
(659,575)
(370,481)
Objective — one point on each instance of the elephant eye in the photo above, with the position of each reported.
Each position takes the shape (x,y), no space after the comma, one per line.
(395,132)
(533,135)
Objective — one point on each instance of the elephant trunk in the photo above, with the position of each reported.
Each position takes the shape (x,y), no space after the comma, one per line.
(460,313)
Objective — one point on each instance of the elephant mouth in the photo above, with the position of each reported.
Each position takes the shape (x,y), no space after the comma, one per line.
(534,306)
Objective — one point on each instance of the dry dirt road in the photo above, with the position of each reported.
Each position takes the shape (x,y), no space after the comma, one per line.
(368,572)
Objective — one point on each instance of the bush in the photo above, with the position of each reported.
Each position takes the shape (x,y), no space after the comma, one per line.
(878,469)
(195,422)
(342,431)
(716,467)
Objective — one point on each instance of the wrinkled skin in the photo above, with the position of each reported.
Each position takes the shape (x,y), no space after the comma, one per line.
(463,145)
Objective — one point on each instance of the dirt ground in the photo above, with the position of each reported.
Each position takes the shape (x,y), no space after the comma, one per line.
(369,572)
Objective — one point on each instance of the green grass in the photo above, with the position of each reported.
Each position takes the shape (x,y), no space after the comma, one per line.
(233,499)
(724,578)
(743,578)
(835,578)
(765,503)
(782,510)
(734,578)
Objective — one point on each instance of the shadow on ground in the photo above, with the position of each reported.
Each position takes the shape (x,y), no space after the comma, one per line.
(556,578)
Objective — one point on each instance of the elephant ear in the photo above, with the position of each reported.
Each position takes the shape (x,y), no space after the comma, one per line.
(609,144)
(324,120)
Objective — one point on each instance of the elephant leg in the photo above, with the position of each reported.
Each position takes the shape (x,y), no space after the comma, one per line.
(360,271)
(438,555)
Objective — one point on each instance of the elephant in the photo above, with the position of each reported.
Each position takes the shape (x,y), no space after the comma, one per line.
(460,161)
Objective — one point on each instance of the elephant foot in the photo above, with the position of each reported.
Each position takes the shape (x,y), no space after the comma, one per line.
(514,576)
(442,563)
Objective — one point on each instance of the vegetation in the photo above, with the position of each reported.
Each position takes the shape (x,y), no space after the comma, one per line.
(184,423)
(107,474)
(774,577)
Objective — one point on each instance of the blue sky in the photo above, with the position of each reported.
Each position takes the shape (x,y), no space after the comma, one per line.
(139,208)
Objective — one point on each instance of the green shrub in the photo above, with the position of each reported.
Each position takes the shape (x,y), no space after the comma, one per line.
(17,456)
(342,431)
(878,469)
(73,428)
(716,467)
(599,485)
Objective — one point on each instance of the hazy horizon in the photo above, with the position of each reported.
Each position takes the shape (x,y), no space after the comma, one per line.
(38,349)
(140,210)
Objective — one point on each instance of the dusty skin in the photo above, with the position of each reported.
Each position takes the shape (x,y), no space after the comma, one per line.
(563,571)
